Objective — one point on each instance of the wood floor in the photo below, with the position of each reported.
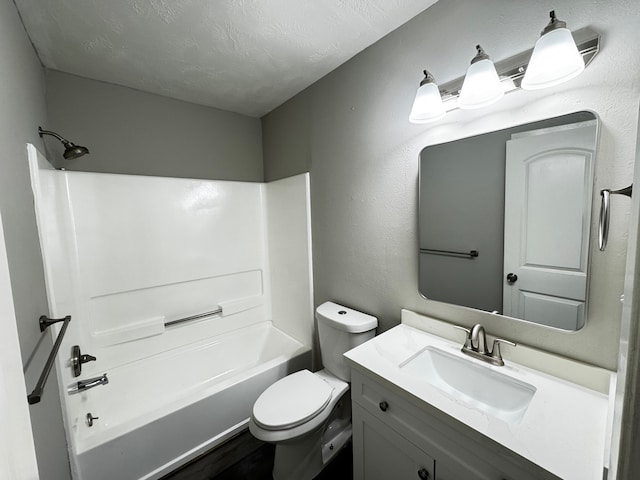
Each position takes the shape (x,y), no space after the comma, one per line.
(244,457)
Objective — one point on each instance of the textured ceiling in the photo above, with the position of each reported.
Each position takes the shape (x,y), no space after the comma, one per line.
(246,56)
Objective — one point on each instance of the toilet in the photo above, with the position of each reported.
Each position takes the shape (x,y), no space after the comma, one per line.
(308,415)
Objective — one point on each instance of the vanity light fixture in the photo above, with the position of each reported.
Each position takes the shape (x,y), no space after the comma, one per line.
(427,106)
(481,85)
(548,65)
(555,57)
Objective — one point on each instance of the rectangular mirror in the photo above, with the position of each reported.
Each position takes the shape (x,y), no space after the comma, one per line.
(505,220)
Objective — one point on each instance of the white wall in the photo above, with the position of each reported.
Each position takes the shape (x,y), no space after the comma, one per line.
(124,254)
(22,97)
(626,421)
(289,240)
(17,452)
(363,154)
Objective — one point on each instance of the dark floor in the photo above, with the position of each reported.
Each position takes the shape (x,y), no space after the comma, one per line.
(244,457)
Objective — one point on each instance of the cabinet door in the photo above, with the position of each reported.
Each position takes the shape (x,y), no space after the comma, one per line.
(461,471)
(382,454)
(457,456)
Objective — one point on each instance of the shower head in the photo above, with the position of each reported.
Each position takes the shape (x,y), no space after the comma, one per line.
(71,150)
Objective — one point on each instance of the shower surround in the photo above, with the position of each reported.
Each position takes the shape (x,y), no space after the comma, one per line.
(128,257)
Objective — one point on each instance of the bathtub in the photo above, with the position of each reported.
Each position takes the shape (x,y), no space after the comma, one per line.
(160,412)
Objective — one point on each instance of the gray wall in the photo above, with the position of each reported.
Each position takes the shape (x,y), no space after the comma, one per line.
(22,109)
(133,132)
(286,138)
(461,209)
(363,156)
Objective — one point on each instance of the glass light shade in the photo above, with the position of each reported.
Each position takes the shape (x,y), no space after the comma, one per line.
(427,106)
(481,86)
(555,60)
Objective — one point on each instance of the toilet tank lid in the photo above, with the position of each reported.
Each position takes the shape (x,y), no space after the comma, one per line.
(345,319)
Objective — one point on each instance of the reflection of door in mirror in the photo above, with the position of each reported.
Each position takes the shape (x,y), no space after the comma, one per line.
(536,229)
(547,218)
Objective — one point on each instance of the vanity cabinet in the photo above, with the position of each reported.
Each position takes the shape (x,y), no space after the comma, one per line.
(386,454)
(399,437)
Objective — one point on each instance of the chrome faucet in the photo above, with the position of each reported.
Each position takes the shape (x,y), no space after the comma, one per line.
(478,339)
(82,385)
(475,345)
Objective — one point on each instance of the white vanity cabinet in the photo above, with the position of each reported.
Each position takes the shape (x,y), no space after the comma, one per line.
(399,437)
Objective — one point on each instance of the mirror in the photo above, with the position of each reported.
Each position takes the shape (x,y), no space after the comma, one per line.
(505,220)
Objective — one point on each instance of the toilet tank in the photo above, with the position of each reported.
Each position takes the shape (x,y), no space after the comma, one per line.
(339,330)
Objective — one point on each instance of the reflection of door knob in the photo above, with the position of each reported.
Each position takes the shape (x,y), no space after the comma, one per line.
(512,278)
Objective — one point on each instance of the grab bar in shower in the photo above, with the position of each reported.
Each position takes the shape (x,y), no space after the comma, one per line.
(217,311)
(603,224)
(431,251)
(44,322)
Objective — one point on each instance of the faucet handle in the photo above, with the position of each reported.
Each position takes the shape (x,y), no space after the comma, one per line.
(467,342)
(496,354)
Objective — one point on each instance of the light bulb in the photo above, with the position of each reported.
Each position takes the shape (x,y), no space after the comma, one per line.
(481,86)
(427,105)
(555,58)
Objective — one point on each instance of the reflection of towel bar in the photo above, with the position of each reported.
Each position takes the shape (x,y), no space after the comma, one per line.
(431,251)
(36,395)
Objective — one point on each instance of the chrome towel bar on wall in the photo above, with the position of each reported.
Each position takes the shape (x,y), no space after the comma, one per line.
(603,224)
(44,322)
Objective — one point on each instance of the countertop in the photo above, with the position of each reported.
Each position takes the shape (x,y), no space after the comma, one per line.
(563,430)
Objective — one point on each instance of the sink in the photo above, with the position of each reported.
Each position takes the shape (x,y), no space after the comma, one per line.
(476,385)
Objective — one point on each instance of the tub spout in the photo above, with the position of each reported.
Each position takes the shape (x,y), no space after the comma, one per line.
(88,383)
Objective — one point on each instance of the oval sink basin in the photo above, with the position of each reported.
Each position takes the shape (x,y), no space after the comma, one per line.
(478,386)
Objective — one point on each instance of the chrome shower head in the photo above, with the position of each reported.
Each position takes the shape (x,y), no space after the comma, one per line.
(71,150)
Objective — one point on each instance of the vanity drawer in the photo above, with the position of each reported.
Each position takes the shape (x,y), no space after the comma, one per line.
(460,453)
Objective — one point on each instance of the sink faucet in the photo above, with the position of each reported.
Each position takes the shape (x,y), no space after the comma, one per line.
(88,383)
(475,345)
(478,339)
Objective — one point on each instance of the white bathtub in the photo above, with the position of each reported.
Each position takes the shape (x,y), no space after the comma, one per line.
(158,413)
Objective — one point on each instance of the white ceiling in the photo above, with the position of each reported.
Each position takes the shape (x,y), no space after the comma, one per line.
(246,56)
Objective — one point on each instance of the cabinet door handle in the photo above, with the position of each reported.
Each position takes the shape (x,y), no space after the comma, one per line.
(423,473)
(383,406)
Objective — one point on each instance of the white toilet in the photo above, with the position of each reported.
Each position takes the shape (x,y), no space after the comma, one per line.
(308,415)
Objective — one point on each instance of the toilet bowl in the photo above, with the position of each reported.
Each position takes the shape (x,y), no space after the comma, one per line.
(308,415)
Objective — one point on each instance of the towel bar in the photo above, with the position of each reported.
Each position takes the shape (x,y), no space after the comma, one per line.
(431,251)
(44,322)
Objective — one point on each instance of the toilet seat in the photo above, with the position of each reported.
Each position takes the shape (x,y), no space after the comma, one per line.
(292,401)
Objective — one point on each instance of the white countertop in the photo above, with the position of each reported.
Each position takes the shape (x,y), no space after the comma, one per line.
(564,429)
